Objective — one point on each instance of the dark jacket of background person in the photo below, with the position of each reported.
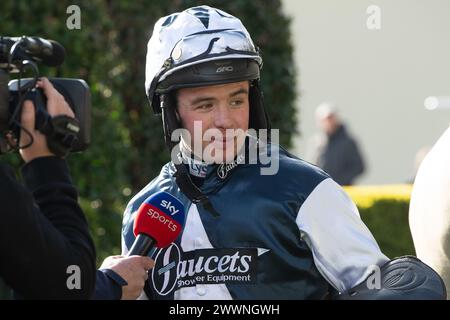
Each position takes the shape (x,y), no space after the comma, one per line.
(339,155)
(43,231)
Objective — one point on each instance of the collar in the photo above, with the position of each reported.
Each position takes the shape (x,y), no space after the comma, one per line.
(201,169)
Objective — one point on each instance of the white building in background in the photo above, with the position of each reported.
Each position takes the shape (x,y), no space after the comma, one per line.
(378,61)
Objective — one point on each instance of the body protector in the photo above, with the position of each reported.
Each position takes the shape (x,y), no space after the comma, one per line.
(404,278)
(200,46)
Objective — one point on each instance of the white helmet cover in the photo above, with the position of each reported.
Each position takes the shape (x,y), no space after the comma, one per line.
(192,37)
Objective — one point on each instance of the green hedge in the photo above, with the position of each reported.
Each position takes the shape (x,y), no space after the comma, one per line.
(384,209)
(388,222)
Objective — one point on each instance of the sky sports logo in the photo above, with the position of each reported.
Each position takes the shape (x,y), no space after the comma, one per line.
(160,216)
(165,209)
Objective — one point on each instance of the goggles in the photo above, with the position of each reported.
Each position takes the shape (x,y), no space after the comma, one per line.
(212,43)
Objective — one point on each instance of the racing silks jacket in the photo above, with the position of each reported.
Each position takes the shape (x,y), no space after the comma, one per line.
(292,234)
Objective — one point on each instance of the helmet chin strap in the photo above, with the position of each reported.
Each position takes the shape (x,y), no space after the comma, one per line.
(259,119)
(182,176)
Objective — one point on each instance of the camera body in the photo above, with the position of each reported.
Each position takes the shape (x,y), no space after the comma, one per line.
(76,93)
(18,54)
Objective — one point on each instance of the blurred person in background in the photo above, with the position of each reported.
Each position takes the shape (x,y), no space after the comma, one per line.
(335,150)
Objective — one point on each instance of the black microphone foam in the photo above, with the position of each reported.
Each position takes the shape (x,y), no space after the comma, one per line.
(57,56)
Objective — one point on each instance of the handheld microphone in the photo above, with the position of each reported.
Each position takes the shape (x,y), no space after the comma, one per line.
(159,222)
(49,52)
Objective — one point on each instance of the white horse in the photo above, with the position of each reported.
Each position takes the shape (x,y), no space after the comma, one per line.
(429,211)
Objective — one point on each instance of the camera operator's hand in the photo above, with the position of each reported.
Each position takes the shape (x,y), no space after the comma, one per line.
(56,105)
